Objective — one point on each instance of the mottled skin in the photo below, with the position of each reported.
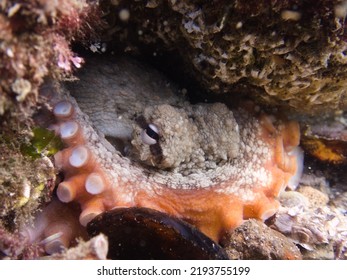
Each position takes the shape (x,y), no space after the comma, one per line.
(192,137)
(216,169)
(200,137)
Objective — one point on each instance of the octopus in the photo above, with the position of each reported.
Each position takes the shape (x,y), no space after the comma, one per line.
(133,140)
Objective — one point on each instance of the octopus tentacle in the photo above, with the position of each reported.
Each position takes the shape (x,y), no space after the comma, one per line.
(86,181)
(236,163)
(55,228)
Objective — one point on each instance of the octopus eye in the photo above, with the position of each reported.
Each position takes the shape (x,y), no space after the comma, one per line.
(150,135)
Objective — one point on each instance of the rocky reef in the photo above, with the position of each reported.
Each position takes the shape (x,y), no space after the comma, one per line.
(285,53)
(35,43)
(275,64)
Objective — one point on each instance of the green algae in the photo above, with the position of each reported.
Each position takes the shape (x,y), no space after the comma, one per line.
(43,143)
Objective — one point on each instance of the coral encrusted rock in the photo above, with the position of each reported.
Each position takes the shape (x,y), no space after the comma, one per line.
(290,53)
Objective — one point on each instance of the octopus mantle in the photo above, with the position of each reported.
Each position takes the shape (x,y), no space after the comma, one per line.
(228,184)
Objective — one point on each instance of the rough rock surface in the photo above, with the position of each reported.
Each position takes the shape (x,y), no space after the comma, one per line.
(289,53)
(27,175)
(94,249)
(307,218)
(254,240)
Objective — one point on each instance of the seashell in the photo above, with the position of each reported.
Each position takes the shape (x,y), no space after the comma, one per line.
(142,233)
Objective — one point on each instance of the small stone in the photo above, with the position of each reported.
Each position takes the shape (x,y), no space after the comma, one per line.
(94,249)
(321,252)
(315,197)
(22,88)
(253,240)
(291,15)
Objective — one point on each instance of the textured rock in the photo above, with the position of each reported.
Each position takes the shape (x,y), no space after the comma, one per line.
(93,249)
(255,241)
(326,139)
(319,227)
(35,39)
(289,53)
(27,175)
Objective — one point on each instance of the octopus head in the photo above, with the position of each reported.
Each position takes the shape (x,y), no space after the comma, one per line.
(196,137)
